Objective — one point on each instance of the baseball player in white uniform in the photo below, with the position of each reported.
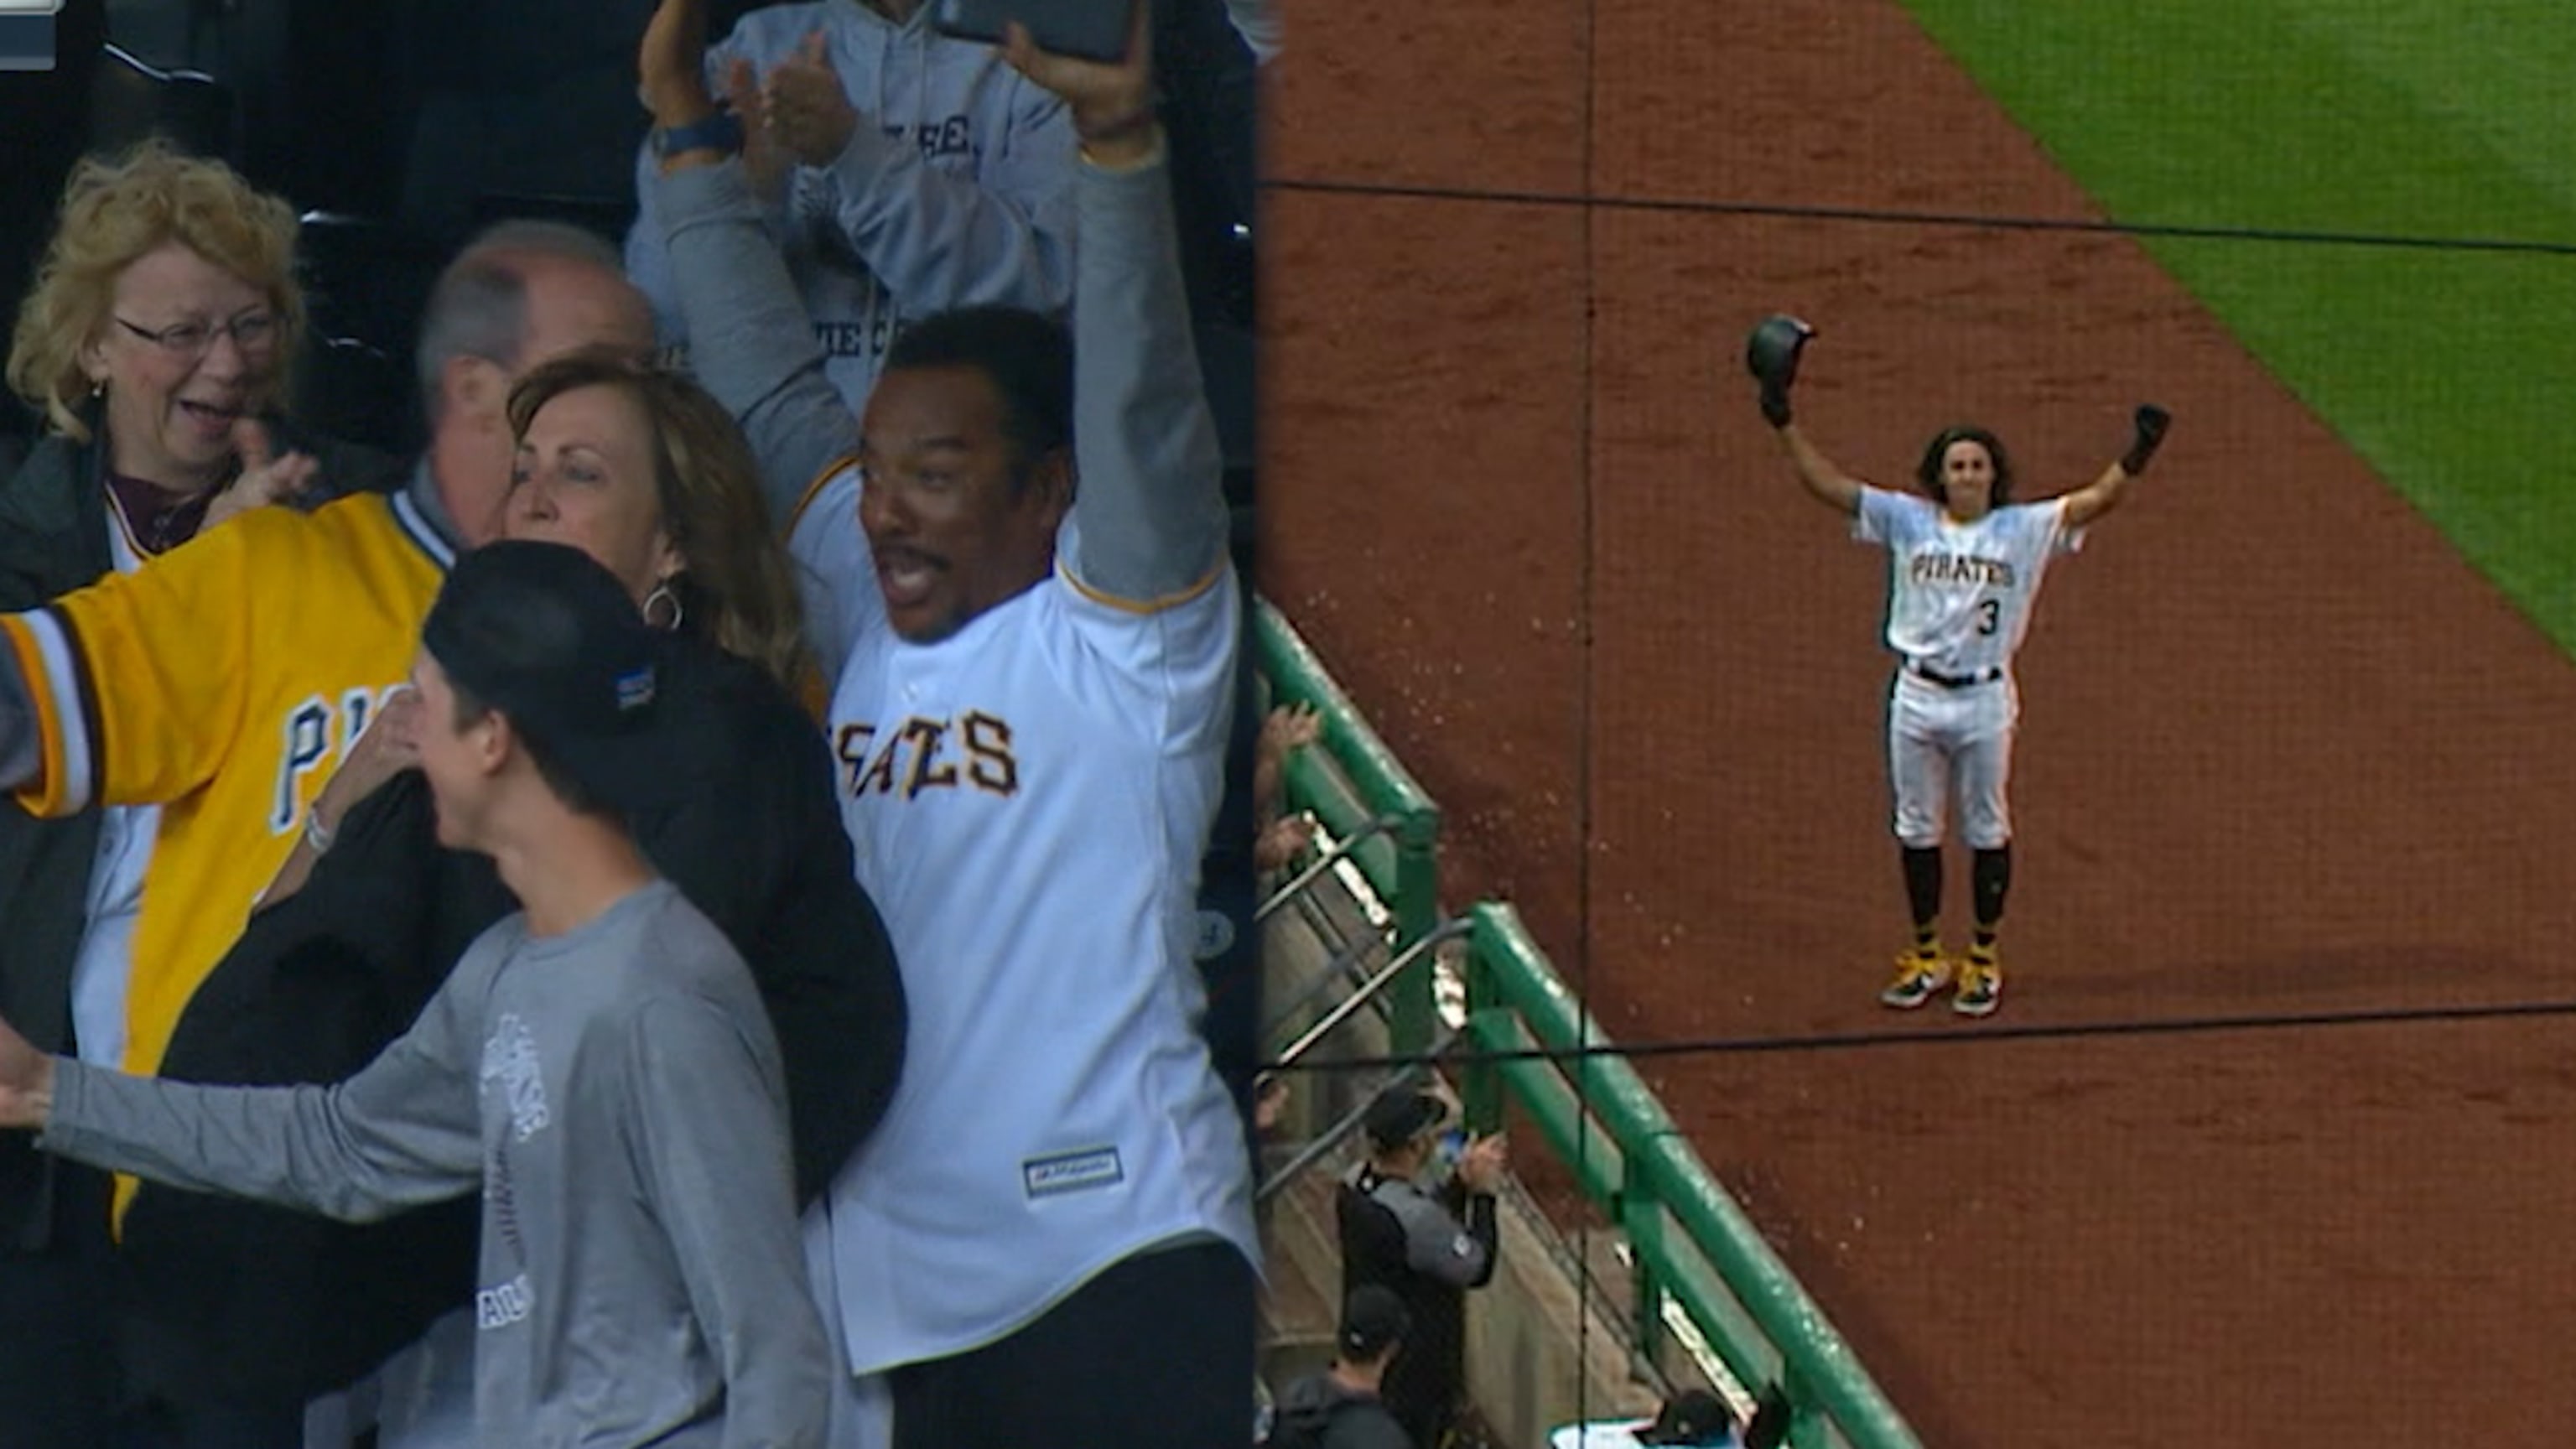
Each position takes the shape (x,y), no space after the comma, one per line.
(1050,1238)
(1965,565)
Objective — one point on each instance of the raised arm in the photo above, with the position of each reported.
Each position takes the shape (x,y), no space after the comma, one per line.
(1151,510)
(1771,354)
(1001,235)
(648,260)
(1824,481)
(751,341)
(2087,504)
(402,1132)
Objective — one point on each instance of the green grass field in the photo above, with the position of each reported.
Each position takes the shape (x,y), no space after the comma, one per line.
(2449,370)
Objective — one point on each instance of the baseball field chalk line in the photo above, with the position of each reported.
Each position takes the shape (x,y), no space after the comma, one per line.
(1878,217)
(1987,1032)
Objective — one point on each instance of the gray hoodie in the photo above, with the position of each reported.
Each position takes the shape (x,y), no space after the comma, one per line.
(955,189)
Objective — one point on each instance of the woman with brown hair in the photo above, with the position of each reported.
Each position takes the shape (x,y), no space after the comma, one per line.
(643,471)
(163,320)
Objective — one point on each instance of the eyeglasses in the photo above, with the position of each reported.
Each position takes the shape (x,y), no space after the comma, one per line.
(192,340)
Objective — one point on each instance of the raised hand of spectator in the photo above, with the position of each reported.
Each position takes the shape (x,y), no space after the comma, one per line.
(1112,105)
(1482,1165)
(1282,841)
(671,64)
(1288,729)
(765,162)
(26,1081)
(264,479)
(1269,1103)
(804,106)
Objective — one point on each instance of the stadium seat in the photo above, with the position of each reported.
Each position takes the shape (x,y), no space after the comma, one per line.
(130,101)
(365,284)
(43,118)
(528,106)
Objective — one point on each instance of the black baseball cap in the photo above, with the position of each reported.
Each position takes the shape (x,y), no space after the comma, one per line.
(547,636)
(1372,1318)
(1693,1416)
(1396,1118)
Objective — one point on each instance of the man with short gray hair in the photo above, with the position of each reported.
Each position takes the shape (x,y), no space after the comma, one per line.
(518,294)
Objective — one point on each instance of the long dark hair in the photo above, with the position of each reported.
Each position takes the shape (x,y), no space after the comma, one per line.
(1927,474)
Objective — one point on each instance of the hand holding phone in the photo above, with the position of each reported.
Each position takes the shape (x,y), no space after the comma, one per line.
(1091,29)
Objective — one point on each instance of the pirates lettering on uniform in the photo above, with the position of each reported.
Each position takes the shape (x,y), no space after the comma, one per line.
(971,751)
(313,732)
(1959,568)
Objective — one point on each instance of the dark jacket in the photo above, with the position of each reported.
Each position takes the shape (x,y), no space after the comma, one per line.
(243,1302)
(1428,1248)
(54,539)
(1318,1413)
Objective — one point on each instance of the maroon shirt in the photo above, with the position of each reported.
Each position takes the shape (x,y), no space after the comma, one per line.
(155,521)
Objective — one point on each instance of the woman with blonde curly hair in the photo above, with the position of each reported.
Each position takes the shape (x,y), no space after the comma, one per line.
(154,343)
(158,336)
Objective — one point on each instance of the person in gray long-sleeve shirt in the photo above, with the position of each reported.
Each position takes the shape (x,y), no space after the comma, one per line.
(600,1063)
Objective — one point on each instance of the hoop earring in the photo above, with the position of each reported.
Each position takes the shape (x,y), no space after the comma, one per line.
(663,594)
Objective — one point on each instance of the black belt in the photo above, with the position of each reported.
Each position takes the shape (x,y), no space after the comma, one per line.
(1952,681)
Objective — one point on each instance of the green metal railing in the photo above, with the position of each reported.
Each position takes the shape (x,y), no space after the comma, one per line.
(1351,782)
(1606,1125)
(1691,1242)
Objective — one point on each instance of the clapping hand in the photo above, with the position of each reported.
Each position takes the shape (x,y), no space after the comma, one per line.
(765,161)
(1482,1165)
(804,107)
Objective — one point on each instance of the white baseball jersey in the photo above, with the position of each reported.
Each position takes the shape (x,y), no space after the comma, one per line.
(1029,799)
(1959,594)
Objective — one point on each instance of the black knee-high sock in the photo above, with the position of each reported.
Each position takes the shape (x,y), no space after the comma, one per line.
(1923,895)
(1991,879)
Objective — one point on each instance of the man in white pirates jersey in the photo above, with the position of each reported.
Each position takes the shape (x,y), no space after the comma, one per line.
(1965,564)
(1050,1239)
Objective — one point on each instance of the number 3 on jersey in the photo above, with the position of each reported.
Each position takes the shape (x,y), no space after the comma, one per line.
(1989,613)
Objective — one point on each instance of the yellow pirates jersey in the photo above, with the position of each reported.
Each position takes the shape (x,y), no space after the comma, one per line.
(223,682)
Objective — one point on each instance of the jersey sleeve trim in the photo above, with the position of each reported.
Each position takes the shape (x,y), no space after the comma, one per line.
(48,658)
(1142,607)
(407,513)
(814,490)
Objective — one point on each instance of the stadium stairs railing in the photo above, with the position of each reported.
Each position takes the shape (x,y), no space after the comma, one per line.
(1690,1243)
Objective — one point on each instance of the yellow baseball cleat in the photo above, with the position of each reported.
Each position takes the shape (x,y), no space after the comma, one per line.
(1981,986)
(1918,980)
